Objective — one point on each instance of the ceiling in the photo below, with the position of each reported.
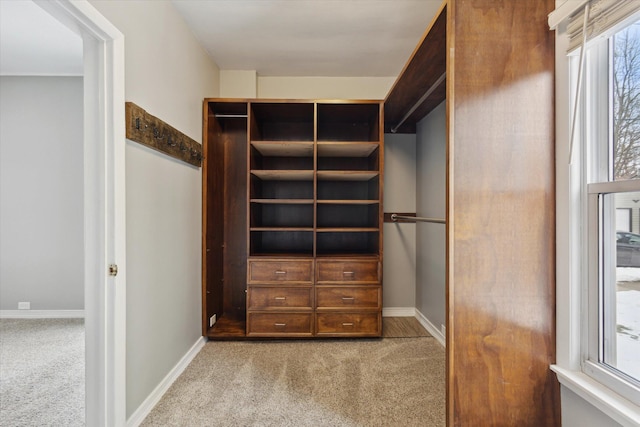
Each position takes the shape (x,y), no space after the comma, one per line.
(273,37)
(310,37)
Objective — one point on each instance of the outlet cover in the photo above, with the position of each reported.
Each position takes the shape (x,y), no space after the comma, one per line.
(212,320)
(24,305)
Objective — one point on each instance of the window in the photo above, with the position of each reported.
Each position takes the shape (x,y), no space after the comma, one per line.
(610,134)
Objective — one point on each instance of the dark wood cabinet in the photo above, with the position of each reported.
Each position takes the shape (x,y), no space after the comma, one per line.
(292,218)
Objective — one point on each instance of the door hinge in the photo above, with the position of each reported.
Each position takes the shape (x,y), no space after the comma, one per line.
(113,270)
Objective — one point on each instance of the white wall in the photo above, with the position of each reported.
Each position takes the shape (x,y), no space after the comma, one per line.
(238,84)
(324,87)
(431,144)
(41,193)
(168,74)
(399,279)
(577,412)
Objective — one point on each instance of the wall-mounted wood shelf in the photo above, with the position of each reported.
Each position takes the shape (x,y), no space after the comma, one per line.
(421,74)
(145,129)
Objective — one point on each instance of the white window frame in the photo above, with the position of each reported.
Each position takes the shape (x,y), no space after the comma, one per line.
(577,297)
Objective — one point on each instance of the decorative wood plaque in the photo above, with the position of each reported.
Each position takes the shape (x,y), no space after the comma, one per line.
(149,130)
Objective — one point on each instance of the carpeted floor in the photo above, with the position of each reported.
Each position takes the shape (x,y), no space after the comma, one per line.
(387,382)
(41,372)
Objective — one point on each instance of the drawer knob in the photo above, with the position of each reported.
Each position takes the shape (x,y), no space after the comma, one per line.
(280,298)
(280,272)
(347,324)
(348,273)
(280,325)
(348,298)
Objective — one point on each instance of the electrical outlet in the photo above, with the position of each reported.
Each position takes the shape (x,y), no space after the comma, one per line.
(24,305)
(212,320)
(443,329)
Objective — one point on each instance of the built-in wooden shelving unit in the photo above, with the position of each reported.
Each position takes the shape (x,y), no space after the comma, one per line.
(311,190)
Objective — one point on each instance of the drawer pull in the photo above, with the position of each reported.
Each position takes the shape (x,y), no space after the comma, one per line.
(347,324)
(348,273)
(280,298)
(281,325)
(348,298)
(280,272)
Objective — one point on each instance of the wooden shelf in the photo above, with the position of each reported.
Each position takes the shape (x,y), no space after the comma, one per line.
(349,202)
(280,256)
(358,256)
(347,230)
(426,65)
(346,149)
(226,328)
(283,201)
(281,229)
(284,175)
(284,148)
(346,175)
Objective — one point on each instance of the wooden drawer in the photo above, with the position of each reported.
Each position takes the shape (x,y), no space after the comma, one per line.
(348,324)
(280,271)
(279,324)
(342,297)
(348,271)
(267,298)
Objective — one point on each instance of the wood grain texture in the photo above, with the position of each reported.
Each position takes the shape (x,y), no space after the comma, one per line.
(146,129)
(501,289)
(348,271)
(280,324)
(280,298)
(347,324)
(235,222)
(422,71)
(348,297)
(275,271)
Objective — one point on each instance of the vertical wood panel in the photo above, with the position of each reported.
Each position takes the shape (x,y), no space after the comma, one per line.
(501,214)
(213,201)
(235,220)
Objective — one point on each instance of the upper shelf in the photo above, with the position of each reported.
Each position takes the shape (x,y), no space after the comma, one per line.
(422,75)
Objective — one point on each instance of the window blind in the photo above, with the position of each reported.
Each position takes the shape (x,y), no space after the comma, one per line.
(603,15)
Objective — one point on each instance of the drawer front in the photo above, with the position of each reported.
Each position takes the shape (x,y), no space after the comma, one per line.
(280,271)
(279,324)
(348,271)
(348,324)
(266,298)
(348,297)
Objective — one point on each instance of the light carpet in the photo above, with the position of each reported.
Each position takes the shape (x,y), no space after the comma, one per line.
(387,382)
(42,372)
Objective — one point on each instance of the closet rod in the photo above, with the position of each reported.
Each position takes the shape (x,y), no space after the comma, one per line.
(420,101)
(395,217)
(231,116)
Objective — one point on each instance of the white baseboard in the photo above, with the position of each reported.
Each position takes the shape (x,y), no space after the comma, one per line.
(398,312)
(152,400)
(431,328)
(41,314)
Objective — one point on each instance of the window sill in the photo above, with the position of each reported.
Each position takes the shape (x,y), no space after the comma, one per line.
(612,404)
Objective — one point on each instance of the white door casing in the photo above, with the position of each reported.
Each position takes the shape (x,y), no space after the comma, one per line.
(104,208)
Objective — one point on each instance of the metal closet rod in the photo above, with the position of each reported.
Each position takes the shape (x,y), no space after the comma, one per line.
(396,217)
(420,101)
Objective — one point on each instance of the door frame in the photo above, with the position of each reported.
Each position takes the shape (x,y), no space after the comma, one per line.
(104,209)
